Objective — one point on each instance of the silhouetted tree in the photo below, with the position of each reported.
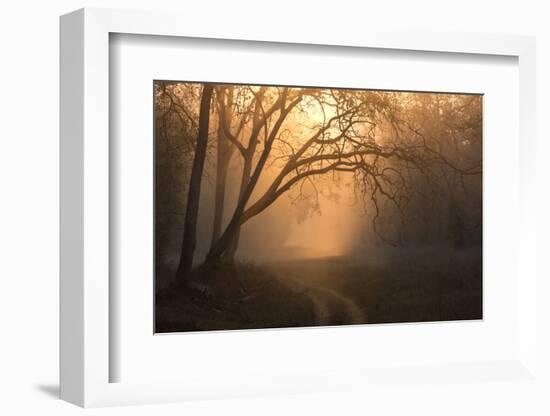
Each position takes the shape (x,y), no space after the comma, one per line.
(176,108)
(224,150)
(193,197)
(400,149)
(364,135)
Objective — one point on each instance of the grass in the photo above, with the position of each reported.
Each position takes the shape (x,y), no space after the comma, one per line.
(404,286)
(435,286)
(407,285)
(237,296)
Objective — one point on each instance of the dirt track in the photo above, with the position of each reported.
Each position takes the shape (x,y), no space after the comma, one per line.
(331,306)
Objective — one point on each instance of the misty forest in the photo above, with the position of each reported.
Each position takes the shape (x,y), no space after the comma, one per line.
(290,206)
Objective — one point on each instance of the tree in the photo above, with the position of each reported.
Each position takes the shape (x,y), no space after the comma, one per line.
(176,115)
(224,151)
(193,197)
(249,178)
(398,148)
(321,146)
(445,202)
(361,133)
(228,141)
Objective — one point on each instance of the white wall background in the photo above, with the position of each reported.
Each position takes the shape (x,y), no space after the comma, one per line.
(29,205)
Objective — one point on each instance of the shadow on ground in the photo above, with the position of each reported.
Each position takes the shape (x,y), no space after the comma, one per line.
(50,390)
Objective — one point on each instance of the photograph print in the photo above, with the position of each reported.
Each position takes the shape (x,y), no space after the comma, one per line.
(287,206)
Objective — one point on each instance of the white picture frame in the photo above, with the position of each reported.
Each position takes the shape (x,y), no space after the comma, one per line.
(85,164)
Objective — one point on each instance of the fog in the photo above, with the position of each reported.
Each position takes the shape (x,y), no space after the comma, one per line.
(327,192)
(286,230)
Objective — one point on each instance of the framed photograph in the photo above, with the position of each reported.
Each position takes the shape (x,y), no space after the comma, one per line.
(281,206)
(277,213)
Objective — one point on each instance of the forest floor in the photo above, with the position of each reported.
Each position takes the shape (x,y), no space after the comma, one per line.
(238,296)
(408,286)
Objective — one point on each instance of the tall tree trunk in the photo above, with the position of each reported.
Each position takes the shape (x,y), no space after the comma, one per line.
(193,196)
(224,153)
(229,254)
(222,165)
(231,251)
